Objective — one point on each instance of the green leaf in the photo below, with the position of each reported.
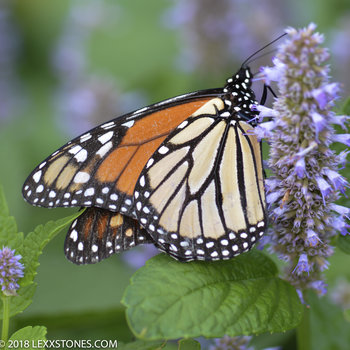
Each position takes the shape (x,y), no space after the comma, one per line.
(346,107)
(21,301)
(167,299)
(9,237)
(328,328)
(344,243)
(28,338)
(35,242)
(189,344)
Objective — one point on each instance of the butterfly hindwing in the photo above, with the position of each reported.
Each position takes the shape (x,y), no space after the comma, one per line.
(101,167)
(99,233)
(201,194)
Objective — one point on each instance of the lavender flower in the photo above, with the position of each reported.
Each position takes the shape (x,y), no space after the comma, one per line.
(10,271)
(306,182)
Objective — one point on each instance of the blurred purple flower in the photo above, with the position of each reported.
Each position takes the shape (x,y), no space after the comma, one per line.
(340,43)
(137,257)
(214,34)
(10,98)
(229,343)
(85,98)
(340,295)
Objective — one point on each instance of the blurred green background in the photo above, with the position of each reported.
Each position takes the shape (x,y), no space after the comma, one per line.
(66,66)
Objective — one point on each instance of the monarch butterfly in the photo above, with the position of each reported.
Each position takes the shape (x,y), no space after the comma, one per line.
(184,174)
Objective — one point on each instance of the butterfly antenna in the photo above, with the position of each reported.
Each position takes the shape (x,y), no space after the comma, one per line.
(263,48)
(263,55)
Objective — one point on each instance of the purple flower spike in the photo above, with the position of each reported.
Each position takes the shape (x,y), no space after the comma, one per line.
(306,180)
(11,270)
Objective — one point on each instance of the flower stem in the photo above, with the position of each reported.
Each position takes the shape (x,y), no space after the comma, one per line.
(6,318)
(303,331)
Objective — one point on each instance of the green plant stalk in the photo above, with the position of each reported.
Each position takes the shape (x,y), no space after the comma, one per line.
(6,318)
(303,331)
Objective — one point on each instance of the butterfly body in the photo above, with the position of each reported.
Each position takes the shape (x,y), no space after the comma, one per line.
(184,174)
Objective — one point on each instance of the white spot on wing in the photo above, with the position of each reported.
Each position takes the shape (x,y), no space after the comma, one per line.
(183,124)
(142,181)
(85,137)
(129,124)
(37,176)
(81,177)
(89,192)
(105,190)
(106,137)
(75,149)
(113,196)
(74,235)
(107,125)
(104,149)
(81,156)
(163,150)
(40,188)
(149,163)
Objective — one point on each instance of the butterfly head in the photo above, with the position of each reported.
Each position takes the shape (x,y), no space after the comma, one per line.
(239,96)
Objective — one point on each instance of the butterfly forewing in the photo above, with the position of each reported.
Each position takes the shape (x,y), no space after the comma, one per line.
(99,233)
(101,167)
(201,194)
